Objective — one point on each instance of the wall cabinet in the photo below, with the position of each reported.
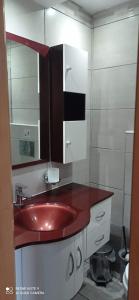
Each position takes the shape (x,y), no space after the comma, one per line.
(74,140)
(55,268)
(69,67)
(75,63)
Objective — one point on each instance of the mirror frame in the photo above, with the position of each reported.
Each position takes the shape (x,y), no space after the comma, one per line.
(44,72)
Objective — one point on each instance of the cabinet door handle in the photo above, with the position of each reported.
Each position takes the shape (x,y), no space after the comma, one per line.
(68,68)
(100,216)
(68,143)
(81,258)
(97,242)
(72,261)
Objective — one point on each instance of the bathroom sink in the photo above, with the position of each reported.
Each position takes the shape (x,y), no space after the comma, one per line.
(45,217)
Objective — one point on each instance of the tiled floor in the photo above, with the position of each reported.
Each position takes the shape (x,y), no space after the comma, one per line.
(89,291)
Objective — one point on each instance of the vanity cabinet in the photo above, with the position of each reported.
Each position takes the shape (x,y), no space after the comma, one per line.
(55,268)
(98,230)
(69,67)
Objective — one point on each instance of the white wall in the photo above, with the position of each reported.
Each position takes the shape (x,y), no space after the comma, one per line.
(129,137)
(56,28)
(25,19)
(114,63)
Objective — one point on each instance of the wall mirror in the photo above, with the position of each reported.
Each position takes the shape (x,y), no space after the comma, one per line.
(28,84)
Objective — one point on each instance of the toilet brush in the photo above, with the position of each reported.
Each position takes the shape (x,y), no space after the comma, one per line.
(125,243)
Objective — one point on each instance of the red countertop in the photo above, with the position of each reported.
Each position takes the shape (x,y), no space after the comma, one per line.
(79,197)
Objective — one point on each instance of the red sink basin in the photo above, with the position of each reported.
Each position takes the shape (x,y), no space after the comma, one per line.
(45,217)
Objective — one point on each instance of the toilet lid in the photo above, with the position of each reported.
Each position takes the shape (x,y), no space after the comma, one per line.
(127,273)
(125,277)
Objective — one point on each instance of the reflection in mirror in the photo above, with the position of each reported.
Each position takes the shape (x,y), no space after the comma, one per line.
(23,82)
(29,100)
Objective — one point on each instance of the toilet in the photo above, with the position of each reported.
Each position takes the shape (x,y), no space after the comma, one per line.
(125,279)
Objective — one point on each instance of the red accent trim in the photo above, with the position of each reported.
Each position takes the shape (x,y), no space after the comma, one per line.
(40,48)
(28,164)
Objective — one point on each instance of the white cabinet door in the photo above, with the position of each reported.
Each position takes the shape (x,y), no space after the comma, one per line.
(33,268)
(98,236)
(74,141)
(18,271)
(75,69)
(79,260)
(50,267)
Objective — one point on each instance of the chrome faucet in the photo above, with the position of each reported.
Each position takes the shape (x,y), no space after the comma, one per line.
(20,196)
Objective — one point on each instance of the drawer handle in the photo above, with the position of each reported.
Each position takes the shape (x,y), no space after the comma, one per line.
(100,216)
(97,242)
(72,261)
(81,258)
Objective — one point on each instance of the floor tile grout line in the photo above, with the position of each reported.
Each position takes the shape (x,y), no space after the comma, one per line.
(86,298)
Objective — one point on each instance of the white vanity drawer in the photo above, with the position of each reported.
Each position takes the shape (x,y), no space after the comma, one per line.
(97,237)
(100,213)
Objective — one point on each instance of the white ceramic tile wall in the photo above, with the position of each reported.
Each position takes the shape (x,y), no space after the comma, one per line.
(127,213)
(23,62)
(88,118)
(32,178)
(128,179)
(20,132)
(88,94)
(81,169)
(115,41)
(21,17)
(23,86)
(116,94)
(60,29)
(128,172)
(25,93)
(26,116)
(80,172)
(107,167)
(115,14)
(109,126)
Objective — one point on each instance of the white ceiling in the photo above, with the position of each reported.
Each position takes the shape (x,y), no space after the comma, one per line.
(95,6)
(48,3)
(90,6)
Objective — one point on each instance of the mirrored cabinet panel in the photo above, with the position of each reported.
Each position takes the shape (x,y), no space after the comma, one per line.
(27,70)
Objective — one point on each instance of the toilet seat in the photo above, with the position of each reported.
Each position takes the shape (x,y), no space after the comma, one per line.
(125,278)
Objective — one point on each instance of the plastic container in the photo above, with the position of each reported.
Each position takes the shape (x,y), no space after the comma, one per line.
(100,265)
